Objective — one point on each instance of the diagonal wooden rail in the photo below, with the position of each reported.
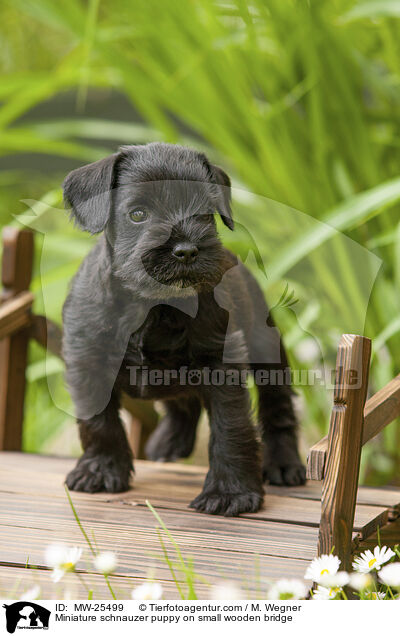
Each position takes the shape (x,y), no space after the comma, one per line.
(379,411)
(15,314)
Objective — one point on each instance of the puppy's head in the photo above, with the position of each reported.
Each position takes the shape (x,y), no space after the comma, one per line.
(156,204)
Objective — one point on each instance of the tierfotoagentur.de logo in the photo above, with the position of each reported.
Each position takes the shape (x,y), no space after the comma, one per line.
(26,615)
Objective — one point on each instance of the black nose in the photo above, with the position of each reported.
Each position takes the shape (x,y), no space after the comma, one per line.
(185,252)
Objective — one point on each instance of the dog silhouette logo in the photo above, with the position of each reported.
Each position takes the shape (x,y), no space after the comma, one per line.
(26,615)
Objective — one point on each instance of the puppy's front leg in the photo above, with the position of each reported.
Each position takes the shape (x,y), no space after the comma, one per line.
(233,483)
(106,464)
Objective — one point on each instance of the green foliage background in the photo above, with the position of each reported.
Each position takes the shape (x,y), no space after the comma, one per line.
(299,101)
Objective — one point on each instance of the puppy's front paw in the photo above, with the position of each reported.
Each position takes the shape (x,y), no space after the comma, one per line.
(284,475)
(100,473)
(227,504)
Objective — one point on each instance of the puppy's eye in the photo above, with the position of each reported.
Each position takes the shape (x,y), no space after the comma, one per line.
(138,216)
(207,218)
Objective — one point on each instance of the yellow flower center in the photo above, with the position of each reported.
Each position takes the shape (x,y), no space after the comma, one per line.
(324,572)
(371,563)
(69,566)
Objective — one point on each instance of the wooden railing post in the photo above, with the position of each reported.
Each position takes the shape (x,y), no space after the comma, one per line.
(17,265)
(340,485)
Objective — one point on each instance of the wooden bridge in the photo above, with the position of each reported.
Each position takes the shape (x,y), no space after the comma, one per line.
(294,525)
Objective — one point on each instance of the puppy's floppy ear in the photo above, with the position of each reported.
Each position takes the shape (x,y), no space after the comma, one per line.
(88,191)
(224,196)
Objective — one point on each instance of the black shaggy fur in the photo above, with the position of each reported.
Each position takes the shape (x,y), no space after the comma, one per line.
(135,304)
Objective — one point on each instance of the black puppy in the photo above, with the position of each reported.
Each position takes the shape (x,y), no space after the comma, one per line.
(160,297)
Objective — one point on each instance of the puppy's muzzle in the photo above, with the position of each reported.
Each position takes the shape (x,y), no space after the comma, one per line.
(185,253)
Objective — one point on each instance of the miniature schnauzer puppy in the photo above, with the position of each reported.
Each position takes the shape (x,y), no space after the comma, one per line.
(159,293)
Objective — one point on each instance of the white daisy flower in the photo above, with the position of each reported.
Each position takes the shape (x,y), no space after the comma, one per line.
(390,575)
(226,590)
(339,580)
(105,562)
(325,593)
(325,564)
(147,592)
(368,561)
(33,594)
(62,559)
(376,596)
(360,581)
(287,589)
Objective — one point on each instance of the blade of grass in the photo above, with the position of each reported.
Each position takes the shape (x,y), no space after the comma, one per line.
(78,521)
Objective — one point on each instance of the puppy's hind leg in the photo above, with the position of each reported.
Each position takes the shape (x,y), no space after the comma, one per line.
(278,427)
(106,464)
(175,434)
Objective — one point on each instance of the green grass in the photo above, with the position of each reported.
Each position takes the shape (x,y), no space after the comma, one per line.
(298,101)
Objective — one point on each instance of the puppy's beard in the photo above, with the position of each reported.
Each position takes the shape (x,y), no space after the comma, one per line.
(166,292)
(156,279)
(169,282)
(148,287)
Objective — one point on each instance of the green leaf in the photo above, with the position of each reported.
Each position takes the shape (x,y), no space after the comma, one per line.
(373,9)
(343,217)
(43,368)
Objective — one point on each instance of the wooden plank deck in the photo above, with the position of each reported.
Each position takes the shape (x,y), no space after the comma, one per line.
(253,549)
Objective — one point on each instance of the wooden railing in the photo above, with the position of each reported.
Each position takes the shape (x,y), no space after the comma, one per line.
(15,319)
(335,459)
(17,325)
